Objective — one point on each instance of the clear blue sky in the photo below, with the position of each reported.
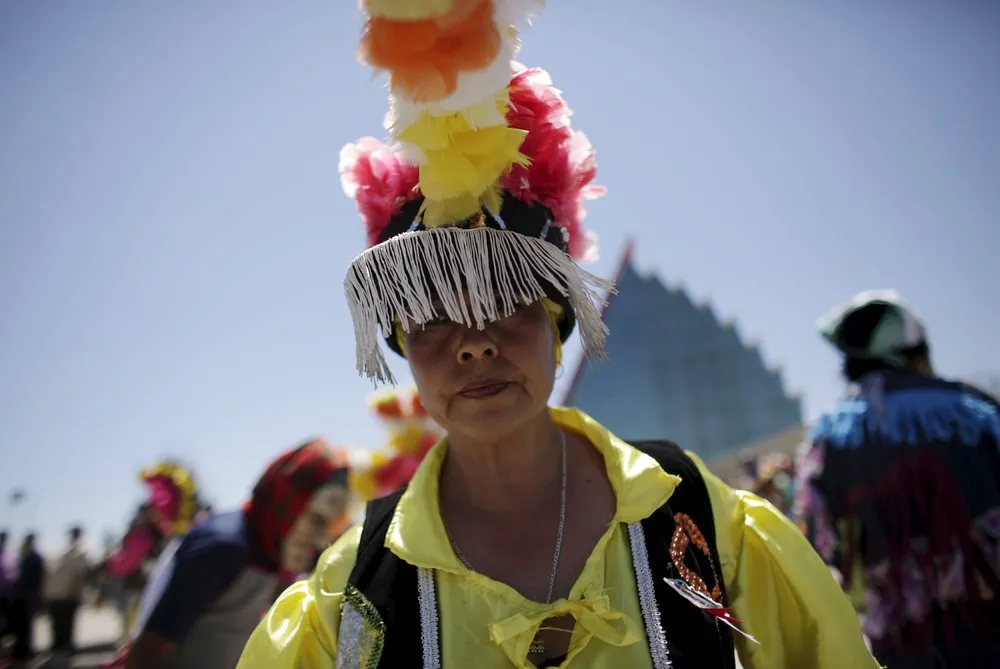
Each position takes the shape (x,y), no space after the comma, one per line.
(173,236)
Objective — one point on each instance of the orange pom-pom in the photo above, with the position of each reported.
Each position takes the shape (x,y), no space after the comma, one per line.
(418,409)
(424,58)
(389,407)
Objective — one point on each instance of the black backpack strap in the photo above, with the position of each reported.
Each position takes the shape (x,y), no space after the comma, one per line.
(693,639)
(681,543)
(371,545)
(382,577)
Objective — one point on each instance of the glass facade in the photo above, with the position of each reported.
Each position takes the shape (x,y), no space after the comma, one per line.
(674,372)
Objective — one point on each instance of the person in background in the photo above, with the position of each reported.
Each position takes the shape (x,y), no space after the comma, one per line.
(412,434)
(899,488)
(168,512)
(748,472)
(64,586)
(210,588)
(5,586)
(124,568)
(26,599)
(776,480)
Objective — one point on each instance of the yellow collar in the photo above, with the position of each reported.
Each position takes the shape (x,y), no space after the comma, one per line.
(417,535)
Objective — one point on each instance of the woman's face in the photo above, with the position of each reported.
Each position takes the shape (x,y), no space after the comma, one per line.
(311,533)
(484,383)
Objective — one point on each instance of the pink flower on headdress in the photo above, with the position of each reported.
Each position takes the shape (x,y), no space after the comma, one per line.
(166,499)
(379,179)
(563,163)
(535,101)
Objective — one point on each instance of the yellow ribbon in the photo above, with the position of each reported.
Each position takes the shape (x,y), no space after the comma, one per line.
(515,634)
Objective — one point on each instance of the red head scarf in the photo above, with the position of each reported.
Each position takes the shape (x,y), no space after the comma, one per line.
(282,493)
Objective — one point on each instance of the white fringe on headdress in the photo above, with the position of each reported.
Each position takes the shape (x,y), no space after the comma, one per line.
(401,277)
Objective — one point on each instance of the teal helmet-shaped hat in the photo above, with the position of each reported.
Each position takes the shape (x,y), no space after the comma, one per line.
(874,325)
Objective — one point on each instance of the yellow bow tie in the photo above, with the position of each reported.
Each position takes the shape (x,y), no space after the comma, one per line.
(515,634)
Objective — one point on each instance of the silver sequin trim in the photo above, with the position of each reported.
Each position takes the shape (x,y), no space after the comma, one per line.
(352,630)
(429,624)
(361,633)
(647,598)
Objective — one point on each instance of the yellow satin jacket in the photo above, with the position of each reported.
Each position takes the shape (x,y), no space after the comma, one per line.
(776,583)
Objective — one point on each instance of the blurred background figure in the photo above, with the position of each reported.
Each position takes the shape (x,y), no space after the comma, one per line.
(210,588)
(899,488)
(775,480)
(169,512)
(124,572)
(64,588)
(412,433)
(748,472)
(5,588)
(26,599)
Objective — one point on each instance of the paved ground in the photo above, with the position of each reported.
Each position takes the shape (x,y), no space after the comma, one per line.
(97,632)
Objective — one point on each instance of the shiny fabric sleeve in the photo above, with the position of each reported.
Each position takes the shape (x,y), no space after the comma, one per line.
(300,630)
(781,588)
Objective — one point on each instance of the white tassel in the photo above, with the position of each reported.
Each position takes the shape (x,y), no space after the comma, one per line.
(399,279)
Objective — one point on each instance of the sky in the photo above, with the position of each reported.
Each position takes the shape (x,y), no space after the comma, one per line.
(173,235)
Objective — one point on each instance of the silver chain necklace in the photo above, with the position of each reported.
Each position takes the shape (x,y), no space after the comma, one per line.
(536,646)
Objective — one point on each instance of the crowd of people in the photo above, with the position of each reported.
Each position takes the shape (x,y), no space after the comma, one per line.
(184,575)
(504,532)
(897,490)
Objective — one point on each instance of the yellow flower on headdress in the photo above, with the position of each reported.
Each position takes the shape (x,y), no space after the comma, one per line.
(407,10)
(463,160)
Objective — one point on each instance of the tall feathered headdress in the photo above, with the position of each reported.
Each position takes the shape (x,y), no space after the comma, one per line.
(480,190)
(412,433)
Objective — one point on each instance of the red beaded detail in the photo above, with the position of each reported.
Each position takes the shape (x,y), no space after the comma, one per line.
(685,534)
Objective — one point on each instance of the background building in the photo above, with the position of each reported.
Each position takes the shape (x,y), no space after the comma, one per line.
(674,371)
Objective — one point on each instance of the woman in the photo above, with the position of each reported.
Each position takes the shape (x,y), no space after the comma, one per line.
(169,511)
(529,536)
(209,588)
(899,488)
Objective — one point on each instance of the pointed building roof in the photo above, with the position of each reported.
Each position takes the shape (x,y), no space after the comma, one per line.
(675,371)
(623,264)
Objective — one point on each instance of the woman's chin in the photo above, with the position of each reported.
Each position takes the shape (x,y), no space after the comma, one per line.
(491,422)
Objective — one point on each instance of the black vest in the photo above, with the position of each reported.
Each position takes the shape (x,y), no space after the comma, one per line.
(695,639)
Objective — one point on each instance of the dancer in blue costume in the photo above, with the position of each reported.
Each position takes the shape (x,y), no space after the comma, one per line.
(899,488)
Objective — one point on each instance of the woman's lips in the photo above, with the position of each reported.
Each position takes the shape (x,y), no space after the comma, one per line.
(484,391)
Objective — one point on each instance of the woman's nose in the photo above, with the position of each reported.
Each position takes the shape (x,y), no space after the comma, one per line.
(477,346)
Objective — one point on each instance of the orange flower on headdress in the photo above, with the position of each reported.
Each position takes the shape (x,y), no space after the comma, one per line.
(424,58)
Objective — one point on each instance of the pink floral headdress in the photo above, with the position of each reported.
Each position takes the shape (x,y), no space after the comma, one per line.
(174,495)
(482,160)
